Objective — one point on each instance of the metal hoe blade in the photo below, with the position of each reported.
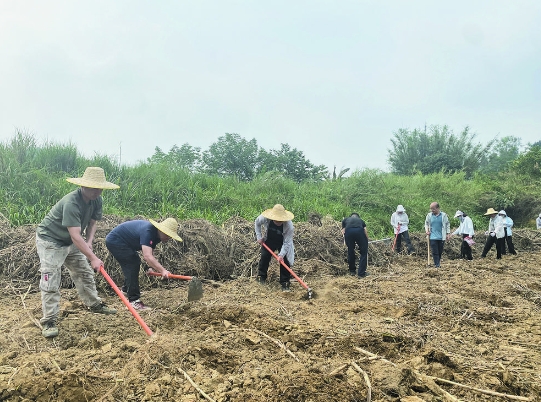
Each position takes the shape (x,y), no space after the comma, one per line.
(195,289)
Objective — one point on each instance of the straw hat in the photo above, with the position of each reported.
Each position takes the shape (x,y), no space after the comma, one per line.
(491,211)
(168,226)
(459,213)
(400,208)
(278,213)
(94,177)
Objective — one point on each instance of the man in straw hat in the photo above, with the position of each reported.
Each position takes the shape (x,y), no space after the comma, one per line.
(438,228)
(495,234)
(59,240)
(354,231)
(400,222)
(127,239)
(274,228)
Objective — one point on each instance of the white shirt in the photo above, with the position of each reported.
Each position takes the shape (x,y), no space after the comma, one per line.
(401,219)
(466,227)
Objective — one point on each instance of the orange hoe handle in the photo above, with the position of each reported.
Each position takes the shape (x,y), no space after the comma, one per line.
(183,277)
(304,285)
(125,301)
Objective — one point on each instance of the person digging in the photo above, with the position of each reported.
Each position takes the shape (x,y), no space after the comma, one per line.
(276,225)
(59,241)
(125,240)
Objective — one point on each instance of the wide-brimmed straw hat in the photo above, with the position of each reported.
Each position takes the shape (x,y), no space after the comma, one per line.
(491,211)
(459,213)
(400,208)
(168,226)
(278,213)
(94,177)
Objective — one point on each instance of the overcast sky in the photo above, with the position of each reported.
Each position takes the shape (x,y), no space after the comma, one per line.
(334,79)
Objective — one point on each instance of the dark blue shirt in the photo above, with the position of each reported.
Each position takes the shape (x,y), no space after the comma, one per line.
(134,235)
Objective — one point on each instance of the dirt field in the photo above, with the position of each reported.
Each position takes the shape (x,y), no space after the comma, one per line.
(398,334)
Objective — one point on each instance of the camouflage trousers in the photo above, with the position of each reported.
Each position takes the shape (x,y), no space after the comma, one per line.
(52,257)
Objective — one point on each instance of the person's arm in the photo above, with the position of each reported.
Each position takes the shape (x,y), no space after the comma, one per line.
(427,224)
(148,255)
(366,233)
(259,222)
(90,232)
(82,245)
(287,245)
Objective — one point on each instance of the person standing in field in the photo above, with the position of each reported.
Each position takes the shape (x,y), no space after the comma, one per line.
(354,231)
(399,222)
(438,229)
(274,227)
(125,240)
(495,234)
(538,222)
(59,240)
(507,227)
(466,230)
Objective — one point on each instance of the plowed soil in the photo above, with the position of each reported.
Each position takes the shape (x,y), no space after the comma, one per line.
(407,332)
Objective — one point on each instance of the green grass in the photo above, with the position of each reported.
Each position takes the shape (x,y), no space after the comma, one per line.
(32,180)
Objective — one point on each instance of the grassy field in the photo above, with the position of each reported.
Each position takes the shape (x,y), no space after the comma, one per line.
(32,179)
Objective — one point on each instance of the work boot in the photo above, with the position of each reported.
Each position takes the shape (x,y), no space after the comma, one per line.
(261,280)
(101,308)
(285,287)
(49,329)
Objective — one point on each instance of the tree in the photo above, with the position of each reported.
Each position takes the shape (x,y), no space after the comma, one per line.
(419,151)
(291,163)
(185,157)
(529,163)
(231,155)
(502,152)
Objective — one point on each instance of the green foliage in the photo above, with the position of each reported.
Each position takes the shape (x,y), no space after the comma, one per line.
(185,157)
(438,150)
(502,152)
(231,155)
(529,163)
(156,190)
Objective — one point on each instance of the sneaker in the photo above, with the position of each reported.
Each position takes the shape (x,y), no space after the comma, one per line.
(101,308)
(139,305)
(49,329)
(363,275)
(352,273)
(285,287)
(261,280)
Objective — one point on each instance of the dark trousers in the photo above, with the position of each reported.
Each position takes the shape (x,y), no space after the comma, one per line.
(500,244)
(406,237)
(357,236)
(436,248)
(465,249)
(131,264)
(264,262)
(510,245)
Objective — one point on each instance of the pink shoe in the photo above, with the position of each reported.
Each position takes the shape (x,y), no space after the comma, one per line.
(139,305)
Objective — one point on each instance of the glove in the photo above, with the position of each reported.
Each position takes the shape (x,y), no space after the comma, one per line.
(492,234)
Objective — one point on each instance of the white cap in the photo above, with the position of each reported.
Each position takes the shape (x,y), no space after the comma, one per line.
(400,208)
(459,213)
(502,212)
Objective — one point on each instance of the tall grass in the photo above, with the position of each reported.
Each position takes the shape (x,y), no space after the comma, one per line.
(32,179)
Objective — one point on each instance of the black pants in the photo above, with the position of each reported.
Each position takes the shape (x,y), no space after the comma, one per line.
(436,247)
(131,264)
(406,237)
(357,236)
(500,244)
(510,245)
(465,249)
(264,262)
